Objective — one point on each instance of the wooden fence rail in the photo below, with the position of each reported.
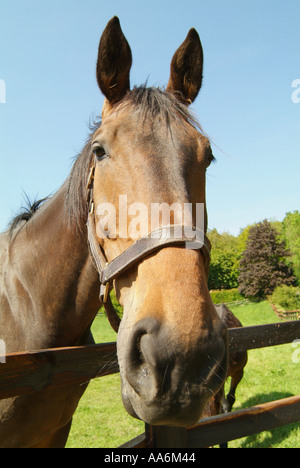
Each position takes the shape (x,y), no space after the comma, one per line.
(29,372)
(222,428)
(286,314)
(242,423)
(35,371)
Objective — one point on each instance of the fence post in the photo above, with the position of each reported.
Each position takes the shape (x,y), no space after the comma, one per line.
(166,437)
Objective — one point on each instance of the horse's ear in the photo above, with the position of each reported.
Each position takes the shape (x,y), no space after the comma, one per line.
(186,69)
(114,62)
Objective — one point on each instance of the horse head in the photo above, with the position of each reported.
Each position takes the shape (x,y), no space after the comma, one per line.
(149,155)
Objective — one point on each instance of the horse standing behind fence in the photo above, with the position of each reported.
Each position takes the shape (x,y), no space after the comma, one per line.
(172,346)
(237,359)
(237,362)
(236,365)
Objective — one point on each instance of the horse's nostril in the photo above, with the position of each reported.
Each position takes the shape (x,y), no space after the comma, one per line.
(148,348)
(136,357)
(143,353)
(138,351)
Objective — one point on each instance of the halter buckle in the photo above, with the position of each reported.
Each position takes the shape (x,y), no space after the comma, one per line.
(90,178)
(104,290)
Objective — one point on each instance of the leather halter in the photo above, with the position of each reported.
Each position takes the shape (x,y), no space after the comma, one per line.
(143,247)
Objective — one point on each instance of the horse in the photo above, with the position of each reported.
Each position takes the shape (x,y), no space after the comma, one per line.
(171,344)
(237,361)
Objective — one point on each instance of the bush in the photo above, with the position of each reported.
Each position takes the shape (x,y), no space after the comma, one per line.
(286,298)
(226,295)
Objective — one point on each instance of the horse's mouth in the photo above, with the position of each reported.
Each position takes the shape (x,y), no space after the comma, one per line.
(166,411)
(181,406)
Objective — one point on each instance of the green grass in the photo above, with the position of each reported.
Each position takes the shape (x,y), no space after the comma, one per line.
(270,374)
(101,421)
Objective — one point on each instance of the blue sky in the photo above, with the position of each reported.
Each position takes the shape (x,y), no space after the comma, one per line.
(48,53)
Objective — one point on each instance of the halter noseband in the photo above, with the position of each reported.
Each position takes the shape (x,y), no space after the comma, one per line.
(143,247)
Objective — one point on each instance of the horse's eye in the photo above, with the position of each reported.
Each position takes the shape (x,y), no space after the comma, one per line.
(99,152)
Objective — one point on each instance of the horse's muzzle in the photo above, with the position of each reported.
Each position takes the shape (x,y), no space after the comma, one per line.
(166,382)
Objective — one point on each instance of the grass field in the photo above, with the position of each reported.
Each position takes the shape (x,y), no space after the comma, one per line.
(101,421)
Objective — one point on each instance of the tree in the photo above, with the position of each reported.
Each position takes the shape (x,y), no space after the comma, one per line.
(291,235)
(263,264)
(223,270)
(242,239)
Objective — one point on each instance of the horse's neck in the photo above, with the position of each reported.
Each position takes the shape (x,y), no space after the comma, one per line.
(58,285)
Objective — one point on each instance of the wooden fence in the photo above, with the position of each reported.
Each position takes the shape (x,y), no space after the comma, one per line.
(286,314)
(29,372)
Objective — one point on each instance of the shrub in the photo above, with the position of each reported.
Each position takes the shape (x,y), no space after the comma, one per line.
(225,295)
(286,298)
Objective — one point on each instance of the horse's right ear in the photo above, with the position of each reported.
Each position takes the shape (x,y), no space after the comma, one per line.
(114,62)
(186,69)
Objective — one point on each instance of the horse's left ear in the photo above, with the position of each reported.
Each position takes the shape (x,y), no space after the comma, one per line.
(187,68)
(114,62)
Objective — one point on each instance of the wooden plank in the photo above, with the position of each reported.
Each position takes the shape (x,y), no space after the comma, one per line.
(226,427)
(222,428)
(25,373)
(263,336)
